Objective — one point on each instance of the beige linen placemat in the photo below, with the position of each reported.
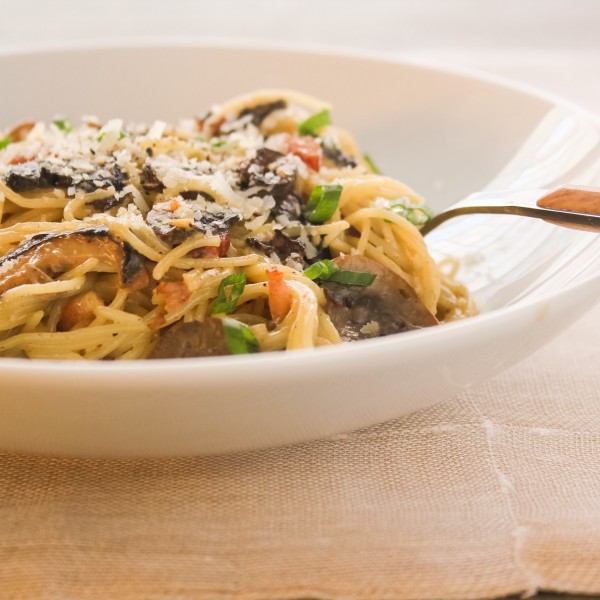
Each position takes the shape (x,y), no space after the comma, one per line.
(496,492)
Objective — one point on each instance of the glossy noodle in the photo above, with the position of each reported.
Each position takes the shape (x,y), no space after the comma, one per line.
(258,227)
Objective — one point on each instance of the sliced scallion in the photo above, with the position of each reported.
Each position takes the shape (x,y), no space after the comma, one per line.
(239,337)
(327,270)
(323,202)
(371,164)
(353,278)
(5,142)
(230,290)
(63,124)
(315,123)
(417,214)
(322,269)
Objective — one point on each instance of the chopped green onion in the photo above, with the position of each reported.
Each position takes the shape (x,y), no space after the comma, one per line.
(353,278)
(322,269)
(371,164)
(239,337)
(230,290)
(323,202)
(101,136)
(327,270)
(218,143)
(417,214)
(5,142)
(63,124)
(315,123)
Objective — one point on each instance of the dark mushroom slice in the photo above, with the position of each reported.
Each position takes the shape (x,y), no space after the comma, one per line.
(261,111)
(389,305)
(101,179)
(46,256)
(78,311)
(281,244)
(161,219)
(34,175)
(257,171)
(336,156)
(19,132)
(289,205)
(215,223)
(187,340)
(150,181)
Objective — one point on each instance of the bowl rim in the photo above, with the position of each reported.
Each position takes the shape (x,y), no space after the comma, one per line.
(303,358)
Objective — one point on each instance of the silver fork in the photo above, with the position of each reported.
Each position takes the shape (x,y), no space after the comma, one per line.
(572,206)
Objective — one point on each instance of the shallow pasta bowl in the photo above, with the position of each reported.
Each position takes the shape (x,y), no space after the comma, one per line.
(446,133)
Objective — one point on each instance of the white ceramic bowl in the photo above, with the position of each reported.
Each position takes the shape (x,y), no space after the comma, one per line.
(446,133)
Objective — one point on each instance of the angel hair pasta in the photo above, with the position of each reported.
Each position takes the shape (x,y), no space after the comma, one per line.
(258,227)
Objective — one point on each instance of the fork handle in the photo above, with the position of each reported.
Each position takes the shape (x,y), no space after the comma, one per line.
(573,198)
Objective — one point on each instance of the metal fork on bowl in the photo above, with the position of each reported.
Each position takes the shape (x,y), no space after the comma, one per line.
(573,206)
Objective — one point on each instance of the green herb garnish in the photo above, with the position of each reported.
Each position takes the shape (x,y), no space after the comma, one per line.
(327,270)
(239,337)
(63,124)
(315,123)
(323,269)
(371,164)
(353,278)
(5,142)
(218,143)
(230,290)
(323,202)
(417,214)
(101,136)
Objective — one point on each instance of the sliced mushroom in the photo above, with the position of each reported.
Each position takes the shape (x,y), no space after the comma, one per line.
(258,172)
(33,175)
(281,244)
(389,305)
(261,111)
(160,218)
(78,311)
(19,132)
(46,256)
(175,231)
(150,181)
(186,340)
(336,156)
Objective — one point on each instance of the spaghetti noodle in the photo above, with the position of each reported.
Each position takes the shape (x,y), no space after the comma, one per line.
(259,227)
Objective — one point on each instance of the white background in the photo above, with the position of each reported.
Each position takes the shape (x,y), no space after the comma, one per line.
(553,44)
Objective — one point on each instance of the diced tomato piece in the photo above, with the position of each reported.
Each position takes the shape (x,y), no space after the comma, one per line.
(20,159)
(175,294)
(19,133)
(79,311)
(307,149)
(216,126)
(213,251)
(280,297)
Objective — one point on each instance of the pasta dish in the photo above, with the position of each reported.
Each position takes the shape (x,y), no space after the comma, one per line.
(257,227)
